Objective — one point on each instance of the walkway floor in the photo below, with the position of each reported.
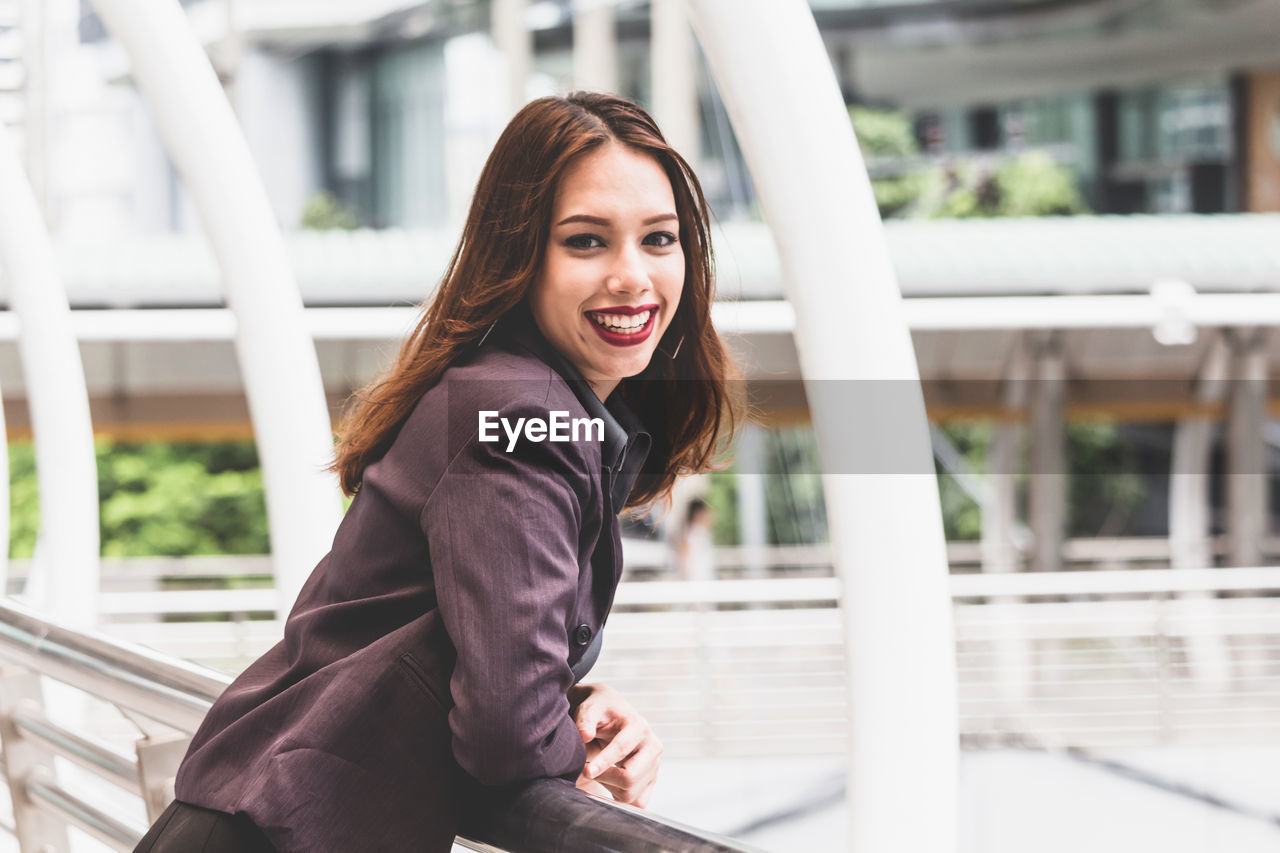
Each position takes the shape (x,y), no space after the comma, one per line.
(1011,801)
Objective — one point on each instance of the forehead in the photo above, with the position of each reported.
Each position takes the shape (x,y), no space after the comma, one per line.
(614,179)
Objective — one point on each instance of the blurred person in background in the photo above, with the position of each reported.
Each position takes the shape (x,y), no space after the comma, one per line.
(695,550)
(435,657)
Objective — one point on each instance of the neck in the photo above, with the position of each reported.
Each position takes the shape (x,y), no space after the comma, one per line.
(603,387)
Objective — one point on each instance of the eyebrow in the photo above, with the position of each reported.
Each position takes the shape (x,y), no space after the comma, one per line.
(604,223)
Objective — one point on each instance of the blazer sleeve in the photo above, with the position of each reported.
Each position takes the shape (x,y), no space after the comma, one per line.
(502,531)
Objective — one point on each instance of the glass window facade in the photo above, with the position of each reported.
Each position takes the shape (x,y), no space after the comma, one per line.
(407,113)
(1185,122)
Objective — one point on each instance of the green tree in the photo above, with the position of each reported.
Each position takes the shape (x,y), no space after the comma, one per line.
(1031,184)
(159,499)
(886,135)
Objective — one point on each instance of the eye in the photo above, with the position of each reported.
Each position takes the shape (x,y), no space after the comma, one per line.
(583,242)
(661,239)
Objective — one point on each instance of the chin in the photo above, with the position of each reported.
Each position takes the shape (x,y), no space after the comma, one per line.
(634,368)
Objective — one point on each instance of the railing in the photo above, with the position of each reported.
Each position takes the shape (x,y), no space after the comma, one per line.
(751,665)
(1081,658)
(166,699)
(731,667)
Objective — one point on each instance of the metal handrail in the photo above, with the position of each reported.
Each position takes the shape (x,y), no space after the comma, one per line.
(544,815)
(112,765)
(170,691)
(552,816)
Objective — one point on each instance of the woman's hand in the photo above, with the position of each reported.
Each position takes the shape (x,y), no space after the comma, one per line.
(622,751)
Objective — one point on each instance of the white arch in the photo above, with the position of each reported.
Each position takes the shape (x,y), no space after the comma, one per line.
(64,577)
(277,356)
(886,529)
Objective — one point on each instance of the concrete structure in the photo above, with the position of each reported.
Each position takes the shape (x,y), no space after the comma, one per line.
(815,193)
(276,356)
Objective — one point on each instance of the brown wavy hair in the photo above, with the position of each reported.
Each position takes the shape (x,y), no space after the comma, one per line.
(684,402)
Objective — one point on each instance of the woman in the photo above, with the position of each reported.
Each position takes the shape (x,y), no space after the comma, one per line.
(434,654)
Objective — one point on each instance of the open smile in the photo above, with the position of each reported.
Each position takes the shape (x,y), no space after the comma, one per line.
(624,325)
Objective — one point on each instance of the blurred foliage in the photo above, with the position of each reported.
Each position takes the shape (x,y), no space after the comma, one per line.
(323,212)
(1030,184)
(159,499)
(961,515)
(1106,487)
(888,134)
(883,133)
(24,499)
(1105,493)
(722,497)
(793,487)
(794,505)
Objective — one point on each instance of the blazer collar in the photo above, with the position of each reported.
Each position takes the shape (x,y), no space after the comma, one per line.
(626,442)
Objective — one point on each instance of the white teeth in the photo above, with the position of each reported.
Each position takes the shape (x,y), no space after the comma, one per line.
(623,322)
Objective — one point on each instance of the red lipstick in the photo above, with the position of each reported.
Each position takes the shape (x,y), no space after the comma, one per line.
(623,337)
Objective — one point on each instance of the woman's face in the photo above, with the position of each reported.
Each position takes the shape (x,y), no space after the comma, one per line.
(614,268)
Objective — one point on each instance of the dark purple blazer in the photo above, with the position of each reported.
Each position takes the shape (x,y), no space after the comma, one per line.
(428,656)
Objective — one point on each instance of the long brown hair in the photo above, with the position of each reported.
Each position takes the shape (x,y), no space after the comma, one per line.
(684,401)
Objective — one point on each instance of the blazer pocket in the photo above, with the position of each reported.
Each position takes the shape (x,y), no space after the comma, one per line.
(417,674)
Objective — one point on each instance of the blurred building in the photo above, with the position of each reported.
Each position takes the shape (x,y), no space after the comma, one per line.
(389,107)
(1165,107)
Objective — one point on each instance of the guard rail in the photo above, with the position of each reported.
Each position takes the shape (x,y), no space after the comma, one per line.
(166,699)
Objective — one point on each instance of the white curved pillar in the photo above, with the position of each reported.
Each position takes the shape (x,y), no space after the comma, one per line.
(886,528)
(277,356)
(64,575)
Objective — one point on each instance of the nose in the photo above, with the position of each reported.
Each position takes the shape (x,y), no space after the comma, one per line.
(628,274)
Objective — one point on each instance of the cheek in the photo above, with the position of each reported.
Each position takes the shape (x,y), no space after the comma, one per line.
(672,280)
(551,293)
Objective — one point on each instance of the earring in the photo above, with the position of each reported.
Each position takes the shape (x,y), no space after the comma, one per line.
(486,334)
(676,351)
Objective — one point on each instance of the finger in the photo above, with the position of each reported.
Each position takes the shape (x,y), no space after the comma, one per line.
(643,763)
(640,765)
(593,787)
(642,801)
(635,796)
(623,744)
(637,771)
(587,719)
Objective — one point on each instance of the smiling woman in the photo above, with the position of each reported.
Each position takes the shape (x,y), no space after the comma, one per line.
(436,655)
(613,272)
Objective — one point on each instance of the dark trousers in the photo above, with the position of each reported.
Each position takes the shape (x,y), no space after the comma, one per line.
(184,828)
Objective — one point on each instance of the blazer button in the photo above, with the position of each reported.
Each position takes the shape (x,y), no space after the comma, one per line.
(582,634)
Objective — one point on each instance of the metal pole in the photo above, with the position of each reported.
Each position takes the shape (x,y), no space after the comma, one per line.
(1246,448)
(277,356)
(1048,435)
(66,572)
(886,532)
(1190,520)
